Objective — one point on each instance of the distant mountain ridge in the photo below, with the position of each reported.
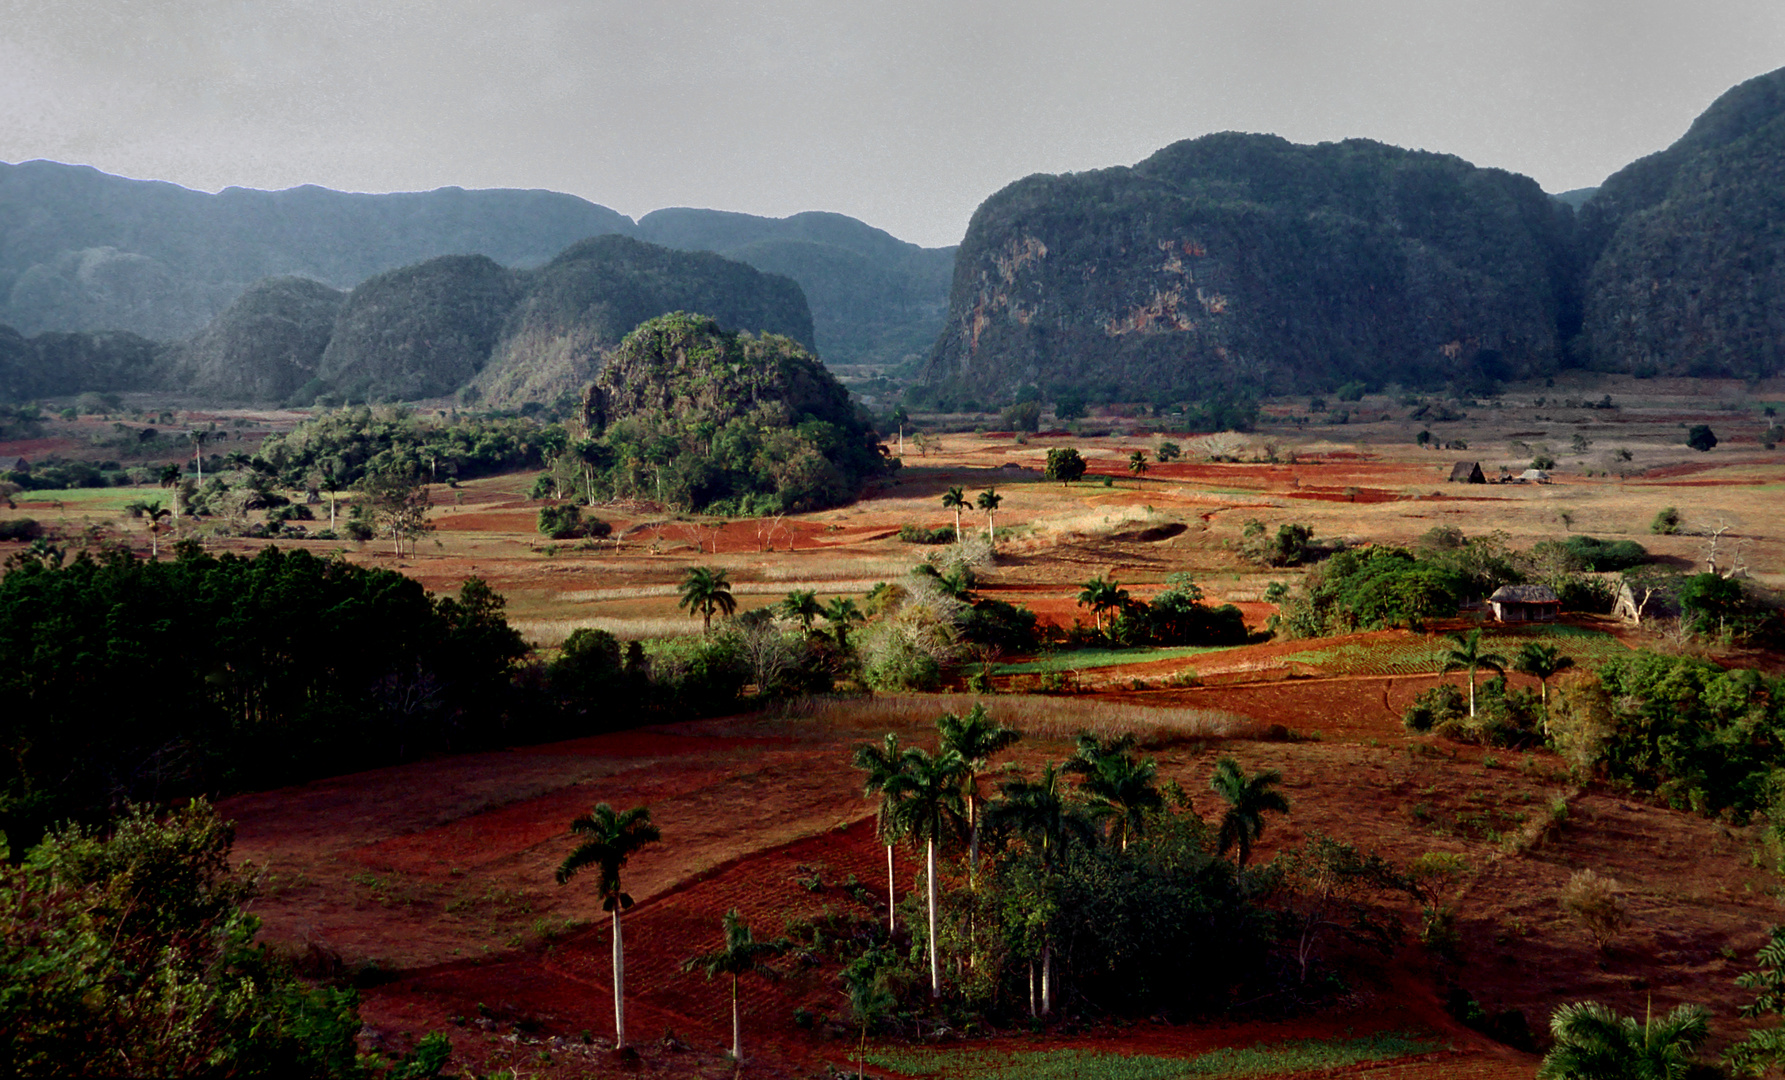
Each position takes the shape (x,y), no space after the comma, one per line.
(82,250)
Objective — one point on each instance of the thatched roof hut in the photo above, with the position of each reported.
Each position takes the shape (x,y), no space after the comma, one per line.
(1467,472)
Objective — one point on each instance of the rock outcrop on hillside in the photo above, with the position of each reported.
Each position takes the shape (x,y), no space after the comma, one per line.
(1246,263)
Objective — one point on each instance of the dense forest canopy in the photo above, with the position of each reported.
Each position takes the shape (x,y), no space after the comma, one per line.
(689,413)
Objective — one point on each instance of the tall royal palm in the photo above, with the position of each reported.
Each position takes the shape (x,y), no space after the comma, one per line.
(976,737)
(881,763)
(613,837)
(1102,595)
(741,955)
(1468,654)
(955,499)
(802,604)
(927,790)
(1248,799)
(1042,812)
(705,590)
(1120,786)
(841,612)
(1541,662)
(1592,1042)
(989,500)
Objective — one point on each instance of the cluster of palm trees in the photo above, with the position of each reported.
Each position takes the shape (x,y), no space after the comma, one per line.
(802,606)
(1541,662)
(989,500)
(930,798)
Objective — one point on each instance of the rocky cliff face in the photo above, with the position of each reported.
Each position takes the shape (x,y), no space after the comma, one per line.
(1248,263)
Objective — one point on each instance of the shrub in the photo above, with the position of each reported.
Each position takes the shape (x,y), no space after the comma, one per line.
(1700,438)
(1597,903)
(565,521)
(1543,461)
(1666,523)
(1441,704)
(23,530)
(917,534)
(1351,391)
(1024,416)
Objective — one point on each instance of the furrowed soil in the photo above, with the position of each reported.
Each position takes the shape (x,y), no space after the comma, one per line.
(431,886)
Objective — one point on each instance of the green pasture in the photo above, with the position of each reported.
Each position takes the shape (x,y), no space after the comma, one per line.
(95,500)
(1085,659)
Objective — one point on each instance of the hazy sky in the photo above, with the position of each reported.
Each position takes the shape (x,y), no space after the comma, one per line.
(903,113)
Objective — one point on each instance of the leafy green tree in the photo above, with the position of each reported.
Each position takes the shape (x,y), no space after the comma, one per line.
(1541,662)
(1169,452)
(1070,407)
(1248,799)
(928,809)
(802,604)
(975,737)
(1101,595)
(613,838)
(1699,437)
(1593,1042)
(881,764)
(1763,1048)
(706,589)
(741,955)
(955,499)
(1137,463)
(1121,787)
(399,504)
(1065,465)
(1467,656)
(1042,812)
(988,501)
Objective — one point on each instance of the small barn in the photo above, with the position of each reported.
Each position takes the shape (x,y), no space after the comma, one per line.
(1467,472)
(1524,603)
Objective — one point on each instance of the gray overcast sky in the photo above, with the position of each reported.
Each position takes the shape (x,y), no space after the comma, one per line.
(904,114)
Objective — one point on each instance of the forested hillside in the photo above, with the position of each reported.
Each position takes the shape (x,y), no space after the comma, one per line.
(1247,263)
(1689,274)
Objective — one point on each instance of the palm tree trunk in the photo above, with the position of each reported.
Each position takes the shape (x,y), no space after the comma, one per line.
(1471,693)
(619,983)
(1047,979)
(935,953)
(737,1029)
(892,912)
(1031,989)
(957,513)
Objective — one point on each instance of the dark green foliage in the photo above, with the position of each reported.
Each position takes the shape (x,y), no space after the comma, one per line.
(21,530)
(162,679)
(1594,1042)
(130,954)
(267,345)
(692,414)
(1024,416)
(1211,255)
(1701,438)
(343,446)
(1595,554)
(1703,738)
(1289,547)
(1442,704)
(1064,464)
(1002,625)
(1374,588)
(565,521)
(1763,1048)
(1685,250)
(917,534)
(589,668)
(1667,522)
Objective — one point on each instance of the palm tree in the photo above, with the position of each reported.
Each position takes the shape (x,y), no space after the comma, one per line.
(1137,463)
(1593,1042)
(1041,811)
(882,763)
(802,604)
(154,512)
(1541,662)
(975,737)
(988,501)
(955,499)
(1248,799)
(1468,654)
(199,438)
(742,955)
(613,838)
(705,590)
(1121,787)
(170,479)
(927,807)
(1100,596)
(840,612)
